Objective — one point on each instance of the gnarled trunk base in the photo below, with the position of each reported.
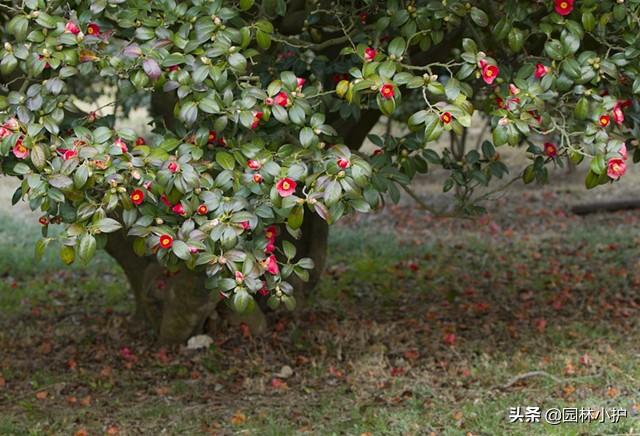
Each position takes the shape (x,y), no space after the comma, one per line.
(177,305)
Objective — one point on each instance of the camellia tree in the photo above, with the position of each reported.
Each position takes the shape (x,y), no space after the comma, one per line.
(259,111)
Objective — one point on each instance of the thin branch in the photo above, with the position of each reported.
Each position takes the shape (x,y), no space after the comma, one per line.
(525,376)
(425,206)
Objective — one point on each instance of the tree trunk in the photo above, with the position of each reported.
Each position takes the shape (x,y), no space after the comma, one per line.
(605,206)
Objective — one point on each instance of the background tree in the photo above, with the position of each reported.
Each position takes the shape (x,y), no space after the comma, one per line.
(259,113)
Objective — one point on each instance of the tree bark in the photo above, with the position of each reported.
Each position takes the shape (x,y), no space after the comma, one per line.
(605,206)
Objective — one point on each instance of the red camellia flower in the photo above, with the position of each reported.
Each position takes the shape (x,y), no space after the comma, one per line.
(344,163)
(43,220)
(258,178)
(137,197)
(140,140)
(203,209)
(286,187)
(616,167)
(270,233)
(489,72)
(446,117)
(370,54)
(618,114)
(363,17)
(71,27)
(19,150)
(178,209)
(541,71)
(257,116)
(166,241)
(254,164)
(123,145)
(564,7)
(67,153)
(604,120)
(174,167)
(93,29)
(281,99)
(387,92)
(213,135)
(550,149)
(271,265)
(165,200)
(270,248)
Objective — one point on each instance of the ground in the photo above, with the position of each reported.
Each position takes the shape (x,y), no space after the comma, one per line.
(421,325)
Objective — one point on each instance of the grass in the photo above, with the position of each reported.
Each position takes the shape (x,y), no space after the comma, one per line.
(416,328)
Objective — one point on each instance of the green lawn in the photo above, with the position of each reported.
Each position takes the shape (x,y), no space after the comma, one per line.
(417,327)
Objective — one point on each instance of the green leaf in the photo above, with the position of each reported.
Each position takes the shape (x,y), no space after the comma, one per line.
(241,300)
(67,254)
(225,160)
(86,248)
(289,249)
(479,17)
(181,250)
(108,225)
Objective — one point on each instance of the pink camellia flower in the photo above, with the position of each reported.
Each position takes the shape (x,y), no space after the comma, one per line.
(245,225)
(370,54)
(19,150)
(193,250)
(269,248)
(343,163)
(550,149)
(67,153)
(165,200)
(623,151)
(541,71)
(254,164)
(11,124)
(271,265)
(174,167)
(286,187)
(71,27)
(270,233)
(618,114)
(239,277)
(616,167)
(178,209)
(123,145)
(4,132)
(281,99)
(257,116)
(387,92)
(268,101)
(513,89)
(300,81)
(489,72)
